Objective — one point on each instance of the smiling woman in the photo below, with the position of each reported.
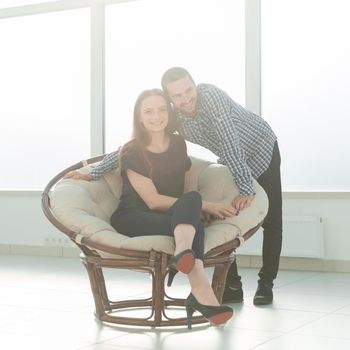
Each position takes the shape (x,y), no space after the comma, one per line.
(154,115)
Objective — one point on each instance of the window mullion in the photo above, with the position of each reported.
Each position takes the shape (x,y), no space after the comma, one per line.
(97,79)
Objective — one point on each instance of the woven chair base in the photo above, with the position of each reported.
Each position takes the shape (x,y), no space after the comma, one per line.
(159,303)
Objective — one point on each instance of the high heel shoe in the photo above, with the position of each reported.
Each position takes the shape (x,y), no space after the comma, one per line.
(183,262)
(171,274)
(214,314)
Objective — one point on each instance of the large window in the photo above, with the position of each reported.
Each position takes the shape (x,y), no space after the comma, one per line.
(144,38)
(45,76)
(13,3)
(45,96)
(305,90)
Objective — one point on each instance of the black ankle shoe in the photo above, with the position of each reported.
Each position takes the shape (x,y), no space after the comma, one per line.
(263,295)
(215,314)
(183,262)
(233,293)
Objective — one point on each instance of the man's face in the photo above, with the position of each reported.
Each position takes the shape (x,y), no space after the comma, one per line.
(183,94)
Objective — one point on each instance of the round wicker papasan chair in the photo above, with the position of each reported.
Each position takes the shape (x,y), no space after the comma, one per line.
(82,209)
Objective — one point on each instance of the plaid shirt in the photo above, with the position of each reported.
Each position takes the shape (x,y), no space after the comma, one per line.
(242,140)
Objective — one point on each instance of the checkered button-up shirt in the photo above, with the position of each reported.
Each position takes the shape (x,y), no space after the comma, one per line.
(242,140)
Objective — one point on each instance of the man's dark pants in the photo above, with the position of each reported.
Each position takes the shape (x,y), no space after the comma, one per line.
(270,181)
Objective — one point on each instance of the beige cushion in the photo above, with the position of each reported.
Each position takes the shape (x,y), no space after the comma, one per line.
(85,208)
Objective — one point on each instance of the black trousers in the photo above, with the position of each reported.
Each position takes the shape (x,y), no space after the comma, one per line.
(186,210)
(270,181)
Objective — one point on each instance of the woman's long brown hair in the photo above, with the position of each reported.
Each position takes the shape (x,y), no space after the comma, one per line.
(140,137)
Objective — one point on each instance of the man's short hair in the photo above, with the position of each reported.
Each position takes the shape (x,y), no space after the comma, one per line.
(173,74)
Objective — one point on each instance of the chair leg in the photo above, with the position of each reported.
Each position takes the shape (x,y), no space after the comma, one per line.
(219,279)
(158,290)
(96,290)
(102,287)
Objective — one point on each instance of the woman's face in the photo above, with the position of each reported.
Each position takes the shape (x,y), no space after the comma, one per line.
(154,113)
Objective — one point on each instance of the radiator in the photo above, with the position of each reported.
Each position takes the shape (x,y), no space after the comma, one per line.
(302,237)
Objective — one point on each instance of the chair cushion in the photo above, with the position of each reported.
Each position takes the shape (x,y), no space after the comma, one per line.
(86,207)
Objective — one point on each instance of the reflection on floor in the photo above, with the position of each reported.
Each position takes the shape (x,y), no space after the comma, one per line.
(46,303)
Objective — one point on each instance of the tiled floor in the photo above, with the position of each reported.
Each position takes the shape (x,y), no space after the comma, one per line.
(46,303)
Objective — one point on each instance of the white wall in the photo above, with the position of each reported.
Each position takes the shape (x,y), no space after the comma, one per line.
(22,220)
(23,223)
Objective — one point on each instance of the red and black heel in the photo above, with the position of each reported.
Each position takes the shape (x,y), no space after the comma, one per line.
(183,262)
(214,314)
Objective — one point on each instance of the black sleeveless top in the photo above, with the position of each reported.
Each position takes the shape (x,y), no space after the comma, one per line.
(169,169)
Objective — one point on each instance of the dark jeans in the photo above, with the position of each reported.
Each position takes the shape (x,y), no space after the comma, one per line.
(186,210)
(270,181)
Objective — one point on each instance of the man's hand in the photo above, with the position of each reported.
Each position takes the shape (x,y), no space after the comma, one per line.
(76,175)
(241,202)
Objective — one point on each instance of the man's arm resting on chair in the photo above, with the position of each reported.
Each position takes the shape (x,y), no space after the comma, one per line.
(109,162)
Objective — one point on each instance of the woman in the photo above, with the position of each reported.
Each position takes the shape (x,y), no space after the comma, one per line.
(153,166)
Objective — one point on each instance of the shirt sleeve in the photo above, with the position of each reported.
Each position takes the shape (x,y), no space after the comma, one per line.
(233,154)
(109,162)
(133,161)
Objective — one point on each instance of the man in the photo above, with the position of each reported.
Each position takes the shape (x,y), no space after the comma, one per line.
(246,144)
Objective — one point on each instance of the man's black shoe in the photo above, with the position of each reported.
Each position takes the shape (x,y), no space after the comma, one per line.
(233,293)
(263,295)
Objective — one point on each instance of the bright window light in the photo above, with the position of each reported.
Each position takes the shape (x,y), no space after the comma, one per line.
(305,90)
(45,96)
(145,38)
(14,3)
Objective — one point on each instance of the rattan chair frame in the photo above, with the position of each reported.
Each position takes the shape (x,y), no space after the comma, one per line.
(153,262)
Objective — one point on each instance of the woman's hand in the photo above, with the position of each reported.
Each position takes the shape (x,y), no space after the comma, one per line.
(76,175)
(219,210)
